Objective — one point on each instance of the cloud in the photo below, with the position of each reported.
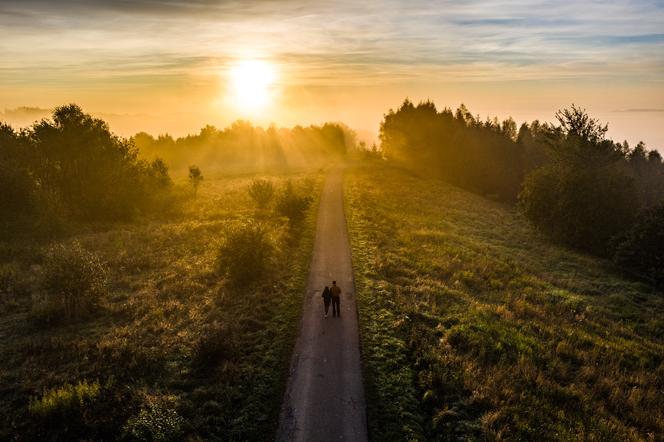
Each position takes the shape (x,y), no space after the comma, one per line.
(341,42)
(641,110)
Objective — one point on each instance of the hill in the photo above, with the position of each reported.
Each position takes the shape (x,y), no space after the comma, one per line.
(475,326)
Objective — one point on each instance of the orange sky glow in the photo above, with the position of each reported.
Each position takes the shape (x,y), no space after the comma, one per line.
(169,66)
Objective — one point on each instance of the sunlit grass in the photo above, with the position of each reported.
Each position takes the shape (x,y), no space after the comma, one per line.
(165,296)
(474,326)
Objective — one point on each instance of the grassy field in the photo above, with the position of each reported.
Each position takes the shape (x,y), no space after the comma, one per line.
(175,351)
(475,327)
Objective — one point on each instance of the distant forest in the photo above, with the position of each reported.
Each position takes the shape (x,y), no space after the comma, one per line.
(569,180)
(243,147)
(71,168)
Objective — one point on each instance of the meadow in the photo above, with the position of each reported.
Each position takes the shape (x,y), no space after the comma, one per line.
(174,350)
(474,326)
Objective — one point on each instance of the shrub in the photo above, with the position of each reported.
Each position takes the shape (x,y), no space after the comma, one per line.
(155,423)
(262,192)
(293,205)
(215,345)
(66,401)
(74,280)
(581,207)
(641,248)
(245,254)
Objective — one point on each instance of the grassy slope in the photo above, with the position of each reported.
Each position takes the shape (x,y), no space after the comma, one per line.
(165,296)
(473,326)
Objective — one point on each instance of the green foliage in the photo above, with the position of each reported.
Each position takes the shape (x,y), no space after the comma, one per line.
(589,193)
(641,248)
(572,183)
(215,345)
(17,199)
(246,253)
(65,401)
(195,178)
(74,280)
(482,156)
(262,192)
(72,167)
(576,122)
(292,204)
(581,207)
(155,423)
(158,172)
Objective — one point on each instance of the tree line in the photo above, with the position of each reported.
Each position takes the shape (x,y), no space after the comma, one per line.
(243,147)
(73,168)
(571,181)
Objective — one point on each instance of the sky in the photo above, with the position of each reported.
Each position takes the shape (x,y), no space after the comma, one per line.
(167,66)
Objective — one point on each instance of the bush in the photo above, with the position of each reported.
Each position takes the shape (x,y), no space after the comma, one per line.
(245,254)
(155,423)
(262,192)
(581,207)
(66,401)
(292,205)
(215,345)
(641,248)
(74,280)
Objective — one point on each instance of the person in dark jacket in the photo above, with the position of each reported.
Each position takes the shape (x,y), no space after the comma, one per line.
(335,291)
(327,297)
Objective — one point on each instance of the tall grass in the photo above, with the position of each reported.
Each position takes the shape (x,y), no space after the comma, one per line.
(473,326)
(156,327)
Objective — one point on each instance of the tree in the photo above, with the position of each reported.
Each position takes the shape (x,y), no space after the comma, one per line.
(641,248)
(576,122)
(583,197)
(583,139)
(195,178)
(158,171)
(86,171)
(17,199)
(581,207)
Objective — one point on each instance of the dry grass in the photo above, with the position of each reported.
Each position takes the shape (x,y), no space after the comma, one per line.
(165,298)
(475,327)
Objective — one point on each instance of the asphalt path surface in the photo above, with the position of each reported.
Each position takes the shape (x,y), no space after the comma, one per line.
(324,399)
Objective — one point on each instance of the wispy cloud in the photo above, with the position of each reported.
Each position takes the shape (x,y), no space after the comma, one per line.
(514,39)
(640,110)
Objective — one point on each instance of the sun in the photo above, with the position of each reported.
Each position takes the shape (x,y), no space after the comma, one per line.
(251,83)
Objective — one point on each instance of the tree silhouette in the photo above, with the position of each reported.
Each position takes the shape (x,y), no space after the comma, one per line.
(195,178)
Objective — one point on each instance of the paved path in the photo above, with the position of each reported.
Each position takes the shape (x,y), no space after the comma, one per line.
(324,400)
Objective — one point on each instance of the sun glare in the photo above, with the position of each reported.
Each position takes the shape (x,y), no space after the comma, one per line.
(251,84)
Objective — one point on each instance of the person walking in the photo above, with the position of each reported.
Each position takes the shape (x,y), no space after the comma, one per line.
(335,291)
(327,297)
